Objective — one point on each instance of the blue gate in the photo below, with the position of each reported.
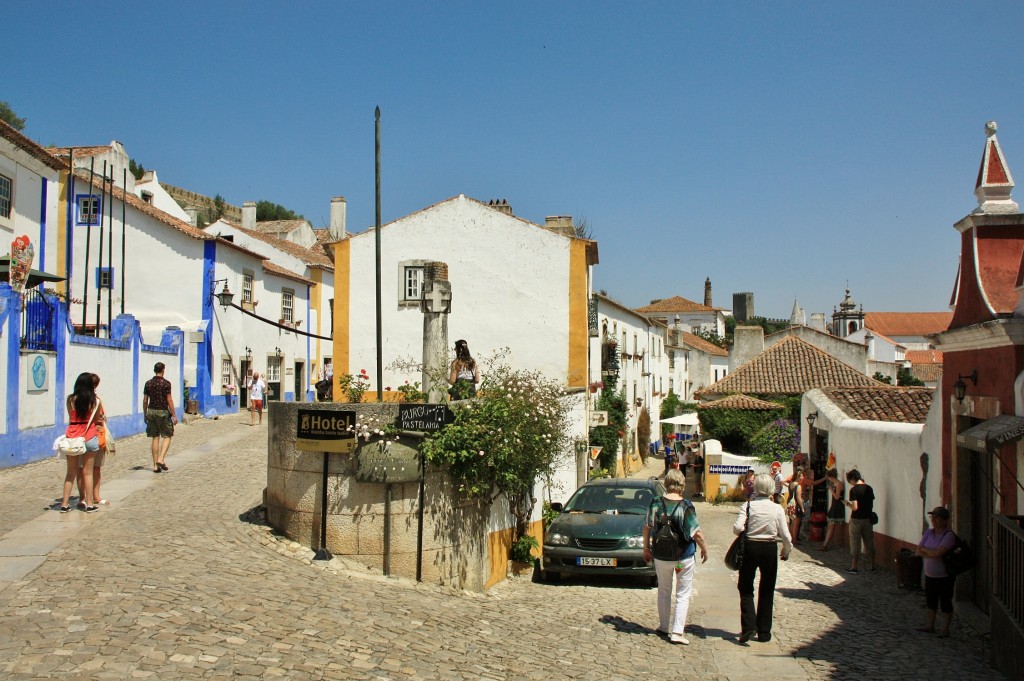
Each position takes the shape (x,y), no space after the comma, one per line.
(37,321)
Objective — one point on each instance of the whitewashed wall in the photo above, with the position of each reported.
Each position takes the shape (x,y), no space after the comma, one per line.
(510,288)
(888,456)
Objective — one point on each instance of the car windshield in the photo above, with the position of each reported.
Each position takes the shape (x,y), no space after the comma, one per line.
(608,499)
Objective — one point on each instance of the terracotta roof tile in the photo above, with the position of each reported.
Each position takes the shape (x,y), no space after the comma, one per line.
(929,373)
(31,148)
(279,226)
(907,323)
(314,257)
(741,402)
(80,152)
(698,343)
(924,356)
(676,304)
(790,367)
(892,404)
(287,274)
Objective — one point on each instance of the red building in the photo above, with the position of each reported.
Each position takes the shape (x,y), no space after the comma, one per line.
(983,407)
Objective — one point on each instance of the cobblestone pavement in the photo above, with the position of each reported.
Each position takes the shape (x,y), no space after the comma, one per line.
(177,579)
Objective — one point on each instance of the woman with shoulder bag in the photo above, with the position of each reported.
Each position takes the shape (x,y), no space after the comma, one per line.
(764,521)
(105,446)
(83,406)
(683,516)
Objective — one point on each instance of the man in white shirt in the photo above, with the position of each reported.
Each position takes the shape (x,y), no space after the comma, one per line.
(256,389)
(777,477)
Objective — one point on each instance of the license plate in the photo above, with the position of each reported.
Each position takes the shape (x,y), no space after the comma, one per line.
(596,562)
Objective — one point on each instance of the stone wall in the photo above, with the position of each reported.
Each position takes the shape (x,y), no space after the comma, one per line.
(187,199)
(456,530)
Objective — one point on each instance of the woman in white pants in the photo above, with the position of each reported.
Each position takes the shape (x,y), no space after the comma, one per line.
(683,517)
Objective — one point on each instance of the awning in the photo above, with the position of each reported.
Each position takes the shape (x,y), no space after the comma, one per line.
(682,420)
(35,277)
(992,434)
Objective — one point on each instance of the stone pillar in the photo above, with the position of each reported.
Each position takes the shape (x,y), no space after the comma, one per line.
(435,304)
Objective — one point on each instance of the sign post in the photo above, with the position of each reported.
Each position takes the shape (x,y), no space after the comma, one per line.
(319,430)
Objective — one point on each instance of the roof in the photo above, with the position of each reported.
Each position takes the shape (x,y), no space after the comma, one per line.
(705,346)
(908,323)
(790,367)
(80,152)
(287,274)
(924,356)
(676,304)
(31,148)
(741,402)
(314,257)
(893,404)
(614,303)
(927,373)
(279,226)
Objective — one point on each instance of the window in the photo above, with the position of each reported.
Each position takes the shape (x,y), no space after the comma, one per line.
(273,369)
(225,371)
(90,207)
(247,288)
(147,197)
(287,300)
(410,282)
(5,197)
(105,277)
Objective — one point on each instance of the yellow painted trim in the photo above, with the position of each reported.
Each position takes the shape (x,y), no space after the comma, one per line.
(316,295)
(62,232)
(342,310)
(499,544)
(576,376)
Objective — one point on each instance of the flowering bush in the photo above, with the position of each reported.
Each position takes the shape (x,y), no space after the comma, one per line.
(229,387)
(412,393)
(504,439)
(779,440)
(355,386)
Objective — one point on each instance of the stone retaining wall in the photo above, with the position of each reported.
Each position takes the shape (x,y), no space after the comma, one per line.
(456,530)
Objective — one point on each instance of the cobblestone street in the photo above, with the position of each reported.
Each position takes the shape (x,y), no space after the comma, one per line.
(176,580)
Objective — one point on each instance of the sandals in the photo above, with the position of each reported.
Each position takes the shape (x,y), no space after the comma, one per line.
(157,469)
(162,465)
(91,509)
(65,509)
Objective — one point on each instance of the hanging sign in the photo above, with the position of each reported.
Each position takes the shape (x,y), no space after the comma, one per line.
(427,418)
(389,461)
(322,430)
(22,253)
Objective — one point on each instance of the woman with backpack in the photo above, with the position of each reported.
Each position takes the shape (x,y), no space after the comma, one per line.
(671,538)
(938,583)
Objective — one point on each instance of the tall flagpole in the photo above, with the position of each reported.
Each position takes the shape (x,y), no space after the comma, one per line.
(380,335)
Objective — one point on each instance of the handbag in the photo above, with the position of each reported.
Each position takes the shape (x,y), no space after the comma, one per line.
(874,518)
(107,440)
(734,556)
(73,446)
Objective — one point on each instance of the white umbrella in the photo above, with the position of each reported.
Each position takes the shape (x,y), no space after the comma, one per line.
(682,420)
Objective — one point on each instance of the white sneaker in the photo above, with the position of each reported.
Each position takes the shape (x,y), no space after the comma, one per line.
(679,638)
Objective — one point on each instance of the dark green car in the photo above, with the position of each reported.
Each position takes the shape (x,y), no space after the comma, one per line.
(599,531)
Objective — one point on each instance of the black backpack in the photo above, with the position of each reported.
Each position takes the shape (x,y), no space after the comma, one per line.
(960,558)
(668,540)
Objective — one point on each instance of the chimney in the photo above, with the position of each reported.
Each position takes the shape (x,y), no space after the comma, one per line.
(818,322)
(500,205)
(560,224)
(338,209)
(193,215)
(748,343)
(707,292)
(249,215)
(869,341)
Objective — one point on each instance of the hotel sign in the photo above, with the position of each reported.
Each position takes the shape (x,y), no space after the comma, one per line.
(321,430)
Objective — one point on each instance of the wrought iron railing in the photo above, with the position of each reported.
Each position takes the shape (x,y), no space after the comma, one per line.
(37,321)
(1008,555)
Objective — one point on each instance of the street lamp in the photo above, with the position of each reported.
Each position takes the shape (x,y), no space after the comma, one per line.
(811,418)
(960,388)
(225,296)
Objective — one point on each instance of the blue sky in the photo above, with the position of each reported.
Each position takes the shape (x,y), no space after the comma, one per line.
(782,148)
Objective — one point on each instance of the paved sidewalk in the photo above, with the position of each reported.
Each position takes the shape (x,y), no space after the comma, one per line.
(177,580)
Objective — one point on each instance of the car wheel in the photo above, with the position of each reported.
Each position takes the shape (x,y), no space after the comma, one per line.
(550,577)
(654,581)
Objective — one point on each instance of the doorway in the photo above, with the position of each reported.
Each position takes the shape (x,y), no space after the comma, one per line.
(300,382)
(245,376)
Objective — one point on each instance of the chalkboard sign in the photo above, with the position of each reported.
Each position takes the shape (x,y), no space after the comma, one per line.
(323,430)
(427,418)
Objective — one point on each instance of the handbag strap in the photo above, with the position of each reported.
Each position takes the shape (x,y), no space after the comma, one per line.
(92,415)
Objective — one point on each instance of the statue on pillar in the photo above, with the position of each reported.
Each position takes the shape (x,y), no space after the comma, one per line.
(435,303)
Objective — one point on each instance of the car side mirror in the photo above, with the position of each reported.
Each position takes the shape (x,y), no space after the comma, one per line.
(556,506)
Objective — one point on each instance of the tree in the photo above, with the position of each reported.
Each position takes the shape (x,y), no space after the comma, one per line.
(8,116)
(267,210)
(136,169)
(582,230)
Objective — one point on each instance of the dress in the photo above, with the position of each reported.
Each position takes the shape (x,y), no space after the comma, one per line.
(837,510)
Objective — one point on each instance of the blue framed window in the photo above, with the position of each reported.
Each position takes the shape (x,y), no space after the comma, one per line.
(88,209)
(105,277)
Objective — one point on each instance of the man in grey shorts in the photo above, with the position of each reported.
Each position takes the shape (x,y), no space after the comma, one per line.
(158,410)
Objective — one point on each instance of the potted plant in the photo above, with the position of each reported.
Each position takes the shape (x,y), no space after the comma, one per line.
(191,406)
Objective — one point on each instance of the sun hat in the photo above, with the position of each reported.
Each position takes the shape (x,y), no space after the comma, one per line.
(940,512)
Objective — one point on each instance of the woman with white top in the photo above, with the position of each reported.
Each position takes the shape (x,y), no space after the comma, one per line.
(465,373)
(764,521)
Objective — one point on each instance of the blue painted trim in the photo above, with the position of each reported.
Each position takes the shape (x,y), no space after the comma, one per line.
(42,225)
(98,271)
(12,320)
(204,349)
(78,210)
